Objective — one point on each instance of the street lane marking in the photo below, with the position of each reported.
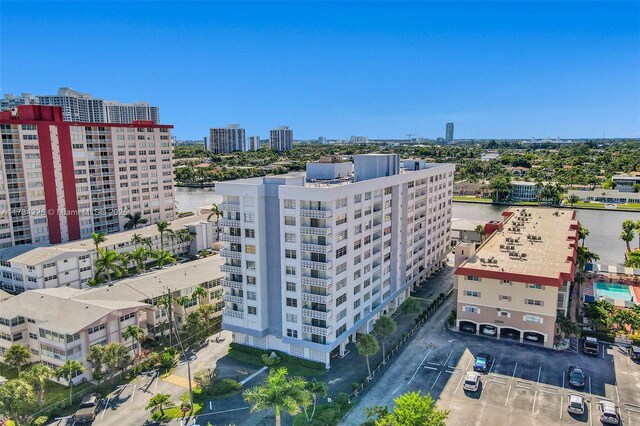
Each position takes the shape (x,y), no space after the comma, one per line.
(134,391)
(423,360)
(106,405)
(396,390)
(253,375)
(434,382)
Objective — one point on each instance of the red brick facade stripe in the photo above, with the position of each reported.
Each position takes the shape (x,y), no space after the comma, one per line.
(69,181)
(49,182)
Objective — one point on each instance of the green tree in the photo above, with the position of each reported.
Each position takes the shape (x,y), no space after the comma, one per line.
(163,227)
(98,238)
(215,211)
(500,186)
(68,371)
(137,239)
(413,409)
(480,231)
(278,391)
(200,294)
(411,306)
(315,388)
(384,327)
(166,303)
(585,256)
(17,399)
(162,257)
(633,259)
(17,355)
(627,235)
(116,358)
(110,263)
(367,346)
(207,311)
(583,233)
(194,322)
(136,334)
(97,358)
(134,220)
(572,199)
(567,327)
(160,401)
(37,377)
(139,256)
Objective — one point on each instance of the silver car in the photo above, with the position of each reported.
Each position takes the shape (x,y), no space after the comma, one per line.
(471,381)
(575,403)
(608,412)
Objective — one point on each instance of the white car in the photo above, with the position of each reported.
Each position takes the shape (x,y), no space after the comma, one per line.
(575,403)
(489,330)
(471,381)
(608,412)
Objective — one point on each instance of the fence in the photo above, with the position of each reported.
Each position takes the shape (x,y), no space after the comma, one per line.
(429,312)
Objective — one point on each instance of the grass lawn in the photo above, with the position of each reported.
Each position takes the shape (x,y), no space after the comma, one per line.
(471,199)
(629,207)
(582,204)
(293,368)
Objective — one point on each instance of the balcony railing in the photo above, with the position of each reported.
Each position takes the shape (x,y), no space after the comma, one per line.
(315,214)
(231,269)
(313,230)
(229,207)
(232,313)
(322,331)
(317,314)
(322,266)
(316,298)
(318,282)
(229,222)
(232,284)
(232,299)
(315,248)
(230,238)
(231,254)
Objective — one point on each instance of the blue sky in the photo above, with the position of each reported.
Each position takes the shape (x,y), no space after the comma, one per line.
(498,70)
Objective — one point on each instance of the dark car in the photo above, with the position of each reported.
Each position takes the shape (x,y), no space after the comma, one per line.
(634,353)
(510,334)
(576,377)
(482,363)
(87,410)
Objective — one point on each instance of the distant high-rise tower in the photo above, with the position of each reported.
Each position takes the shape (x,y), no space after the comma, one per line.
(227,139)
(449,136)
(282,139)
(254,143)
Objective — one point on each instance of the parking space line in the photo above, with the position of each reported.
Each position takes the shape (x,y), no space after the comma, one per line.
(134,391)
(434,382)
(433,363)
(492,364)
(448,358)
(617,394)
(423,360)
(431,368)
(462,378)
(590,403)
(561,400)
(512,377)
(563,380)
(535,396)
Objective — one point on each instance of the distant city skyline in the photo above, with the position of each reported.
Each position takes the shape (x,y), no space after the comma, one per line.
(505,70)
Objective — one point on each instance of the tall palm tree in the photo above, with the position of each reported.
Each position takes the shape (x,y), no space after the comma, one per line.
(137,239)
(215,211)
(37,377)
(193,322)
(183,300)
(567,327)
(98,238)
(480,231)
(110,263)
(162,228)
(160,401)
(278,391)
(627,235)
(17,355)
(384,327)
(315,388)
(585,256)
(167,303)
(68,371)
(139,256)
(200,293)
(96,357)
(134,220)
(207,312)
(184,236)
(136,334)
(116,357)
(583,233)
(162,257)
(367,346)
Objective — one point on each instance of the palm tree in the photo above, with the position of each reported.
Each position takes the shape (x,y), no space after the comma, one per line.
(278,391)
(567,327)
(583,233)
(116,357)
(68,371)
(160,401)
(215,211)
(166,303)
(367,345)
(480,231)
(96,357)
(203,253)
(110,262)
(37,377)
(17,355)
(162,228)
(136,334)
(139,256)
(134,220)
(94,282)
(207,312)
(17,398)
(572,199)
(184,236)
(162,257)
(183,301)
(585,256)
(315,388)
(638,230)
(384,327)
(199,293)
(137,239)
(98,237)
(627,235)
(194,322)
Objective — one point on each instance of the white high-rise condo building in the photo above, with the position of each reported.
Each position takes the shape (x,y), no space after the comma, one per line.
(227,139)
(281,139)
(254,143)
(83,107)
(313,258)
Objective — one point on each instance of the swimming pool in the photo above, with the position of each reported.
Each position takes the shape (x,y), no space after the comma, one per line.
(612,291)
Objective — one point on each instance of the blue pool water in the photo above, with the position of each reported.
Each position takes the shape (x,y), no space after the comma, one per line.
(613,291)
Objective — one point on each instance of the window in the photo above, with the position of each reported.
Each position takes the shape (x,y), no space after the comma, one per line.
(341,329)
(292,318)
(356,289)
(250,248)
(504,297)
(472,278)
(290,270)
(289,204)
(471,309)
(341,268)
(357,214)
(341,252)
(289,237)
(357,198)
(252,310)
(341,284)
(472,293)
(251,280)
(532,318)
(357,244)
(249,217)
(251,295)
(536,286)
(341,299)
(342,202)
(251,265)
(534,302)
(356,304)
(504,314)
(356,318)
(292,333)
(292,302)
(250,233)
(127,317)
(290,254)
(341,218)
(506,282)
(96,328)
(290,220)
(342,314)
(357,274)
(357,259)
(291,286)
(341,235)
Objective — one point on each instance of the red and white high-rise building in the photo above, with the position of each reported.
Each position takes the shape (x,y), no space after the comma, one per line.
(61,181)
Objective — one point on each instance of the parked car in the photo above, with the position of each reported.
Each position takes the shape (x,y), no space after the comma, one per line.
(576,376)
(575,403)
(468,328)
(532,337)
(510,334)
(591,346)
(489,330)
(634,353)
(482,363)
(87,410)
(471,381)
(609,413)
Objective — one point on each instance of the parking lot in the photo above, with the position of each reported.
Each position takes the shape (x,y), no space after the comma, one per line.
(525,385)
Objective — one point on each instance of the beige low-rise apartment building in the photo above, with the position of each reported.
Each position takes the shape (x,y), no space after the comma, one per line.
(63,323)
(517,282)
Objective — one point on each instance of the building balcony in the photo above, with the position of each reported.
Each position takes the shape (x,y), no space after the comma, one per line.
(231,254)
(231,269)
(310,313)
(229,207)
(232,313)
(322,331)
(317,298)
(318,282)
(232,299)
(228,238)
(315,214)
(232,284)
(315,248)
(322,266)
(313,230)
(229,222)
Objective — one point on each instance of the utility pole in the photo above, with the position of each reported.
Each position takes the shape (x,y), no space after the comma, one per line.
(184,353)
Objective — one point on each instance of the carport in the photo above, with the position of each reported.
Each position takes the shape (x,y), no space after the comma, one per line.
(510,333)
(533,337)
(488,330)
(466,324)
